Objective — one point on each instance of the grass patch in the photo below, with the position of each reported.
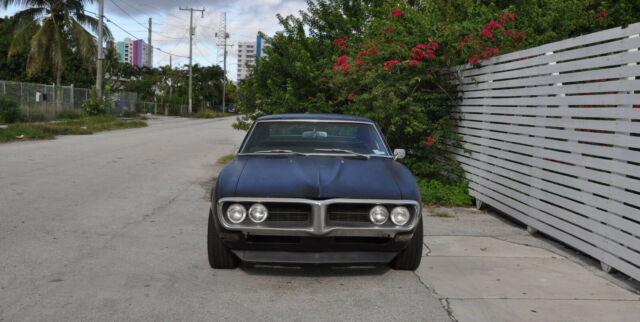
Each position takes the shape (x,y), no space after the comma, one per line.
(210,115)
(437,193)
(441,214)
(81,126)
(69,115)
(226,159)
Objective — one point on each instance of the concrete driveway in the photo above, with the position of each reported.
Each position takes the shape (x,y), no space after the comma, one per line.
(112,226)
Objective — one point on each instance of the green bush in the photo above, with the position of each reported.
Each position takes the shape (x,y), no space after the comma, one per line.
(97,105)
(388,68)
(389,61)
(436,192)
(9,110)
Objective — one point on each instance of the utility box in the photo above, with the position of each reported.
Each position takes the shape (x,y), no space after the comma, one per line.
(149,108)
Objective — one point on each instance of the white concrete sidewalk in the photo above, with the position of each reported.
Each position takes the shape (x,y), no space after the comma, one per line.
(484,268)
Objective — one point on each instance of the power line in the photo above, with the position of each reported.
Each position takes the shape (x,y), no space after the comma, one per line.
(203,55)
(132,18)
(141,24)
(169,37)
(134,36)
(143,6)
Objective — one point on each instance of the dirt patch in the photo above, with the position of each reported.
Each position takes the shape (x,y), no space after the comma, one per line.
(210,182)
(207,185)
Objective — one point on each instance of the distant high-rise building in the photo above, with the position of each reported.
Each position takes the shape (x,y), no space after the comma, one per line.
(249,53)
(134,52)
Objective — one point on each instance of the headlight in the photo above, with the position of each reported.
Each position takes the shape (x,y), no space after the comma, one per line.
(258,212)
(378,215)
(236,213)
(400,215)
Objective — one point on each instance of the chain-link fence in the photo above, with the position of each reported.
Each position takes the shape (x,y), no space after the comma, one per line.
(42,101)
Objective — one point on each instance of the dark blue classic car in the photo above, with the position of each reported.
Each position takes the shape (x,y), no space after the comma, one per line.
(315,189)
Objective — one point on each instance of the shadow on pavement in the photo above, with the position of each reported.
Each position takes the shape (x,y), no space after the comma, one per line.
(313,270)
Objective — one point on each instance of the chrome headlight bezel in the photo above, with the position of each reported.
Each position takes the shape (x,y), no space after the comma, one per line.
(397,214)
(236,207)
(254,209)
(378,215)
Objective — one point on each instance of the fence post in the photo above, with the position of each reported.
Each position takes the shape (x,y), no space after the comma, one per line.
(4,88)
(55,91)
(44,101)
(22,99)
(73,107)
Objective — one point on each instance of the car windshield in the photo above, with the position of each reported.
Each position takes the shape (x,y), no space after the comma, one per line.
(315,138)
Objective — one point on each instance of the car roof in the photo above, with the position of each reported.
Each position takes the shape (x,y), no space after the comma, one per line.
(323,117)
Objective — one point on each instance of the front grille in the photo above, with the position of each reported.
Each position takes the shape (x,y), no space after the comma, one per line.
(288,212)
(348,212)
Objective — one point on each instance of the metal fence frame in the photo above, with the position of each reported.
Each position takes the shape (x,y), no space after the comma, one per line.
(554,135)
(71,99)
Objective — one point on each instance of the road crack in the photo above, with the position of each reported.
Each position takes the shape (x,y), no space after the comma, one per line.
(443,301)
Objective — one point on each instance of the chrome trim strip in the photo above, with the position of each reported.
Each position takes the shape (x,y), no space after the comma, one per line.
(319,225)
(375,126)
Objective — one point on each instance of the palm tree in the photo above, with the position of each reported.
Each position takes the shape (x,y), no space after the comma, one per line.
(51,26)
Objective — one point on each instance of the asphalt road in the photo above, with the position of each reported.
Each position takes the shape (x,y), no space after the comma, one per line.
(112,226)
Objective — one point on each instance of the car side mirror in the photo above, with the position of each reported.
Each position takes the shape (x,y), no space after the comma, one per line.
(399,154)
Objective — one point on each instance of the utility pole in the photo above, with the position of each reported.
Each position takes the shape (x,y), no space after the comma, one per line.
(221,40)
(191,10)
(149,47)
(224,78)
(100,51)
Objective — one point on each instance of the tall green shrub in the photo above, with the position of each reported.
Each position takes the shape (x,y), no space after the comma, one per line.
(393,71)
(9,110)
(97,105)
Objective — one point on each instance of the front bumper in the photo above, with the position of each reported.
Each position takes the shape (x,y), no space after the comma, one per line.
(315,250)
(315,258)
(319,225)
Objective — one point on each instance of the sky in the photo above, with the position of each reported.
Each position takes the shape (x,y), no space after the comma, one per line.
(170,25)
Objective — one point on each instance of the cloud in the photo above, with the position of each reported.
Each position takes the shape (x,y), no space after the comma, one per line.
(161,7)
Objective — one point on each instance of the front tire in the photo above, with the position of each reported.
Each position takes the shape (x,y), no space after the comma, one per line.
(410,257)
(220,256)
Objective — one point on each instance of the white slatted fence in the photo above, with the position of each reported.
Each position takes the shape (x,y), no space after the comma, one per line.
(554,135)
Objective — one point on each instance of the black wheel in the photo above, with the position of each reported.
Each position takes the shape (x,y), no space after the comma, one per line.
(409,258)
(219,255)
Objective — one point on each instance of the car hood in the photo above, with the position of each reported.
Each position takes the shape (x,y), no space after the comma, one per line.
(316,177)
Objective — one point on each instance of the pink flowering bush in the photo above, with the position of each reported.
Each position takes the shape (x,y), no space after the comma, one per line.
(388,61)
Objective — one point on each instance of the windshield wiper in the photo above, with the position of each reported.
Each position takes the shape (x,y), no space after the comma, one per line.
(275,151)
(345,151)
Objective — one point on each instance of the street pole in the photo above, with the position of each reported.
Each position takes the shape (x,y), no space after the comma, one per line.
(224,76)
(221,40)
(191,63)
(191,10)
(149,47)
(100,51)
